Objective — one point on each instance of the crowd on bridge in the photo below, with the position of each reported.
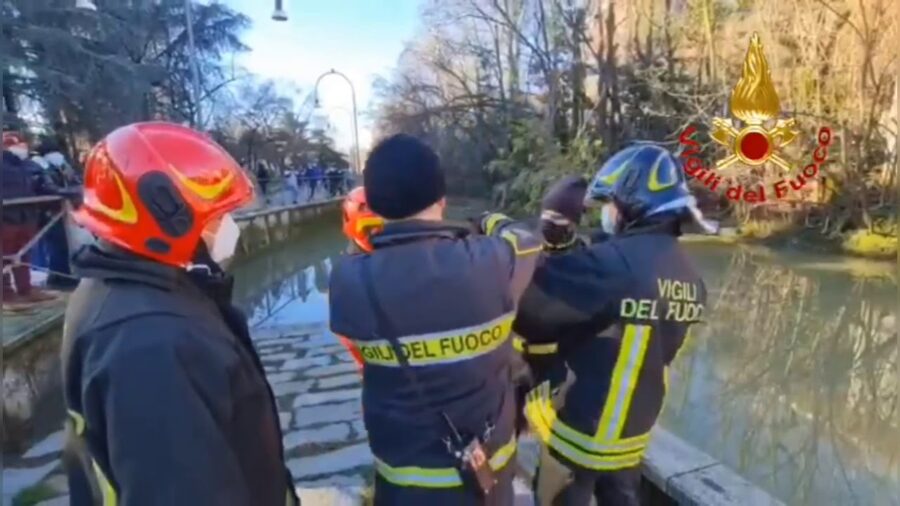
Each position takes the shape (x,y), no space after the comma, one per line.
(466,334)
(40,185)
(301,183)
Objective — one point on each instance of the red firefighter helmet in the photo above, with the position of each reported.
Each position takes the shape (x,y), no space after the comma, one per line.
(152,188)
(359,221)
(12,138)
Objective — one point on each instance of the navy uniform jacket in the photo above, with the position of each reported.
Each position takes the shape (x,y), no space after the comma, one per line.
(166,394)
(622,309)
(451,297)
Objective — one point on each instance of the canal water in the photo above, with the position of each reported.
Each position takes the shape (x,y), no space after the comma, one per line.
(793,380)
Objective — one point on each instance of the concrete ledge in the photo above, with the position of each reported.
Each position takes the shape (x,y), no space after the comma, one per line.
(331,496)
(680,471)
(249,215)
(691,477)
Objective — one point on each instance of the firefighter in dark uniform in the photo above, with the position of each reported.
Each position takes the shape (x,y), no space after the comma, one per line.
(622,309)
(168,401)
(440,413)
(561,212)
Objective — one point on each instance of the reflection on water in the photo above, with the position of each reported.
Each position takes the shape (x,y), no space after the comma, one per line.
(794,380)
(290,285)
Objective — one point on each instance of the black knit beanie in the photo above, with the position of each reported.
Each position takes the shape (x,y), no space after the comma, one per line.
(402,177)
(566,197)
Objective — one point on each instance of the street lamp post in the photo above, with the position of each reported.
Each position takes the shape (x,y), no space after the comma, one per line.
(279,14)
(195,69)
(355,114)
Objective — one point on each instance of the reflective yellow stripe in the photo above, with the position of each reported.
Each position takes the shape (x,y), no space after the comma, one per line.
(620,458)
(78,420)
(605,449)
(534,349)
(625,375)
(491,222)
(441,347)
(106,489)
(445,477)
(519,344)
(512,236)
(542,349)
(654,183)
(541,413)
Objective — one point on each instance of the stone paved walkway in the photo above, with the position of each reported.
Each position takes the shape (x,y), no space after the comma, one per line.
(318,394)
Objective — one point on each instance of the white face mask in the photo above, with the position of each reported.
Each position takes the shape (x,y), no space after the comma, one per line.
(20,151)
(223,244)
(609,218)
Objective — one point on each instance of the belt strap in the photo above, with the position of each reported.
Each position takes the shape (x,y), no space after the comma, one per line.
(385,330)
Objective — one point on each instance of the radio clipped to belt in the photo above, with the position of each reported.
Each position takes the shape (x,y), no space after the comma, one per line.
(471,459)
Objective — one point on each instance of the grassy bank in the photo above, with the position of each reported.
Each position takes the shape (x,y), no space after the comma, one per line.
(871,244)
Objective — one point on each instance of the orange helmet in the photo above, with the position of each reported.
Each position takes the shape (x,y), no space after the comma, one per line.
(152,188)
(359,221)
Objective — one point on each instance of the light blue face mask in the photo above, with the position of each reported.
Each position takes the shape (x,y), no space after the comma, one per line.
(609,218)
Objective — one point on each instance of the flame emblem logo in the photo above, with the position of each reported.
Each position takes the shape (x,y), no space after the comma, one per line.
(754,102)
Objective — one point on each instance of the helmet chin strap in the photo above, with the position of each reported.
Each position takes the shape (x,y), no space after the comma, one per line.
(203,261)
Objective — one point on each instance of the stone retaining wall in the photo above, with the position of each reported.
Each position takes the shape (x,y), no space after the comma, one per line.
(260,229)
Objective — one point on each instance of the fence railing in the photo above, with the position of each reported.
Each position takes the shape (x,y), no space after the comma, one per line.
(40,203)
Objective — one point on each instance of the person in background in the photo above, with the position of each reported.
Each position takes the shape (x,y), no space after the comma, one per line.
(262,178)
(63,174)
(440,415)
(291,185)
(332,179)
(21,178)
(300,179)
(621,309)
(54,245)
(314,175)
(537,338)
(167,399)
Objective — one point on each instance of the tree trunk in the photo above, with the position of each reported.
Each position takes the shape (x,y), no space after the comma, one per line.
(709,24)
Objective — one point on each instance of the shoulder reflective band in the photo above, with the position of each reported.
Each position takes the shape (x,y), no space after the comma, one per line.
(443,477)
(440,347)
(512,237)
(534,349)
(492,220)
(106,489)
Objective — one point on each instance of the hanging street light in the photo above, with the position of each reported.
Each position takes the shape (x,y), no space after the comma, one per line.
(85,4)
(279,14)
(355,115)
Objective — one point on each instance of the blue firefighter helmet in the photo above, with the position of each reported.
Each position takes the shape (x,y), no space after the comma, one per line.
(645,179)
